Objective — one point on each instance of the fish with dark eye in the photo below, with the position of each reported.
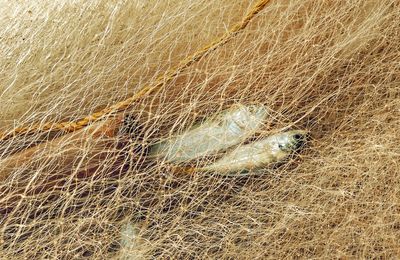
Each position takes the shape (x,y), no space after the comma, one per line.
(265,152)
(218,133)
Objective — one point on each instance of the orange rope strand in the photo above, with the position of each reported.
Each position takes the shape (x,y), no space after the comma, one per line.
(71,126)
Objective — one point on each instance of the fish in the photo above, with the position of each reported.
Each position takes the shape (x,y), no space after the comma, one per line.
(218,133)
(259,154)
(132,245)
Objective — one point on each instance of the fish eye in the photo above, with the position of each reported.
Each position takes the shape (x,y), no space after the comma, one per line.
(298,137)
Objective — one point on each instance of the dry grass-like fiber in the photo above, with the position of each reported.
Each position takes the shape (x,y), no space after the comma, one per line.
(331,67)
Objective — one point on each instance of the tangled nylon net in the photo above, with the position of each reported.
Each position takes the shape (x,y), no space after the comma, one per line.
(330,67)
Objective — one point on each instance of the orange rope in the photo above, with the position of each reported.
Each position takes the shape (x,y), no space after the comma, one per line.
(71,126)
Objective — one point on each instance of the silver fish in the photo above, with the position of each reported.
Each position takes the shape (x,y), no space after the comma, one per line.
(218,133)
(131,244)
(253,156)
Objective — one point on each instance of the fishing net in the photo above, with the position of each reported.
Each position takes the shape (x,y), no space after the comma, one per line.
(76,180)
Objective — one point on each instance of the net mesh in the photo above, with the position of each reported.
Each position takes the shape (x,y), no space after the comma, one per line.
(330,67)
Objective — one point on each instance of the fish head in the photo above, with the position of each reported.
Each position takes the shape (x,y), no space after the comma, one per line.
(259,110)
(241,119)
(291,141)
